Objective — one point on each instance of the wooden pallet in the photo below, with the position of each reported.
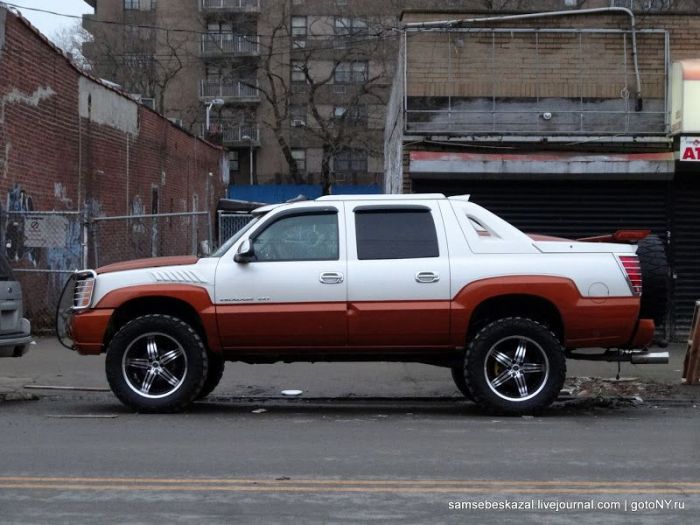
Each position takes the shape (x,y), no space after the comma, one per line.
(691,365)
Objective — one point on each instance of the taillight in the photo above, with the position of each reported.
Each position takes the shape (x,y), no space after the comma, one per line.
(630,263)
(84,286)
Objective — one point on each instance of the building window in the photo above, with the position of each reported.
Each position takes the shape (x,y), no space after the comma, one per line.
(142,5)
(297,115)
(351,72)
(299,156)
(355,115)
(350,26)
(350,161)
(233,161)
(299,32)
(298,71)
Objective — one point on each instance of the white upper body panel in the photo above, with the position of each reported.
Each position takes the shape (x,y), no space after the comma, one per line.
(473,244)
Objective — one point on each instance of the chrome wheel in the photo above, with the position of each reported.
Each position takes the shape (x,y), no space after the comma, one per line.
(516,368)
(154,365)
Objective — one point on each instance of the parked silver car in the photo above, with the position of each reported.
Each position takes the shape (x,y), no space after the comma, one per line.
(15,330)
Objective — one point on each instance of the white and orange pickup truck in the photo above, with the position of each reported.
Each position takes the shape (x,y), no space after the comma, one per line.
(420,278)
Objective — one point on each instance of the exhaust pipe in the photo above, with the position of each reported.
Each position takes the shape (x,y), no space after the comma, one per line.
(649,358)
(636,357)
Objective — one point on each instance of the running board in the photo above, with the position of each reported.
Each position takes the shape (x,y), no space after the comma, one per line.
(636,357)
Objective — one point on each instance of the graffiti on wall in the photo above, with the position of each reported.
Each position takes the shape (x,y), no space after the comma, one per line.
(18,203)
(26,234)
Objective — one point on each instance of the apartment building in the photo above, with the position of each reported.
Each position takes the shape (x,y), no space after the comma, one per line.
(295,90)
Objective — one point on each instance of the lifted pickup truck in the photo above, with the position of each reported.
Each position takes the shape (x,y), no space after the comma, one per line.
(420,278)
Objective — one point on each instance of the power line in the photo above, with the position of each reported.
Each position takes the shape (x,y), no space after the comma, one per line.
(156,27)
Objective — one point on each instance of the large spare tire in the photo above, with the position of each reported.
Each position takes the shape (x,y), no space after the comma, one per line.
(655,278)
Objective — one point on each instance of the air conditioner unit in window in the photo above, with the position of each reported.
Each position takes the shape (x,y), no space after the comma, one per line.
(298,123)
(339,89)
(149,102)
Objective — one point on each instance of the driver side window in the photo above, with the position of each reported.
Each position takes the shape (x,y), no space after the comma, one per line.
(308,237)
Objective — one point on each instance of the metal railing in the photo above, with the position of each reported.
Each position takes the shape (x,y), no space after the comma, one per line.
(229,132)
(233,90)
(235,5)
(215,44)
(534,81)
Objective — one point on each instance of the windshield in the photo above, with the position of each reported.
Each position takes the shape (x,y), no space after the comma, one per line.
(232,240)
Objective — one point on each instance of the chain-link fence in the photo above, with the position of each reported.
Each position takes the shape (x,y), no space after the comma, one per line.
(115,239)
(44,248)
(230,223)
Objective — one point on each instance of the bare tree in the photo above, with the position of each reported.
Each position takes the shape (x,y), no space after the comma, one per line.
(319,82)
(145,61)
(71,39)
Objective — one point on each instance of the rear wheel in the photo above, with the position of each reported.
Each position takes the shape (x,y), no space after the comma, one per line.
(514,366)
(156,363)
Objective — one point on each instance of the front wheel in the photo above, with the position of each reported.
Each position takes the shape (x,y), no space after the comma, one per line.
(515,366)
(156,363)
(214,374)
(460,382)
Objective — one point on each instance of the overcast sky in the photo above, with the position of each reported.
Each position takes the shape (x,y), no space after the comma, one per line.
(47,23)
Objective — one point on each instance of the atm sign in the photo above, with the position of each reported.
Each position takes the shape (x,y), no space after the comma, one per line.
(690,149)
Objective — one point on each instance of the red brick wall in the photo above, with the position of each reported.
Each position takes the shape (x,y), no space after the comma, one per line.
(64,162)
(52,159)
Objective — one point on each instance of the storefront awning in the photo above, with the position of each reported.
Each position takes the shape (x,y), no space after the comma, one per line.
(550,165)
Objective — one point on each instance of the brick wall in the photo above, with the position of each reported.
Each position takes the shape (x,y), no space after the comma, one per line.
(65,157)
(69,143)
(529,64)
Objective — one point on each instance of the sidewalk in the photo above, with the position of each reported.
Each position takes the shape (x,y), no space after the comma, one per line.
(50,364)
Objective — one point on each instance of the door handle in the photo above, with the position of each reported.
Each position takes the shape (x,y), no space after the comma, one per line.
(427,277)
(331,278)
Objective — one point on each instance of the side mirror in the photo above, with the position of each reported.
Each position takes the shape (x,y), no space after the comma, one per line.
(245,252)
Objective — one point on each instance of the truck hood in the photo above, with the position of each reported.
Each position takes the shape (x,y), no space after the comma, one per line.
(153,262)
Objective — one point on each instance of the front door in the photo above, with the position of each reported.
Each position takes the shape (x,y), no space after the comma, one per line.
(294,293)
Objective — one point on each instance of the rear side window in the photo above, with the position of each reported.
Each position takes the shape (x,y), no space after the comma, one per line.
(395,234)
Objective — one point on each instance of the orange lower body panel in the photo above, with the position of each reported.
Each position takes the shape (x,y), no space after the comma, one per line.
(88,330)
(644,334)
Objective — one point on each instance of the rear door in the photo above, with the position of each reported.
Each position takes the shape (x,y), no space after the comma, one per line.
(398,275)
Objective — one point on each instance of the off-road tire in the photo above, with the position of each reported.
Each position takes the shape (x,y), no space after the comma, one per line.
(214,374)
(545,344)
(172,329)
(654,264)
(460,382)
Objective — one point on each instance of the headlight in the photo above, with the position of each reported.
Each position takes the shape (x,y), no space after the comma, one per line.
(84,286)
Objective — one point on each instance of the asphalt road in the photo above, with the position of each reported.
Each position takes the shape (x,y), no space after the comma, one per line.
(81,458)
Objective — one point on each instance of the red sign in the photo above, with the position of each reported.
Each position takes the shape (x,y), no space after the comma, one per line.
(690,149)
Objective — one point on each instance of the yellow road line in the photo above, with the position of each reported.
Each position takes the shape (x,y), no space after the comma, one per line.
(291,488)
(302,481)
